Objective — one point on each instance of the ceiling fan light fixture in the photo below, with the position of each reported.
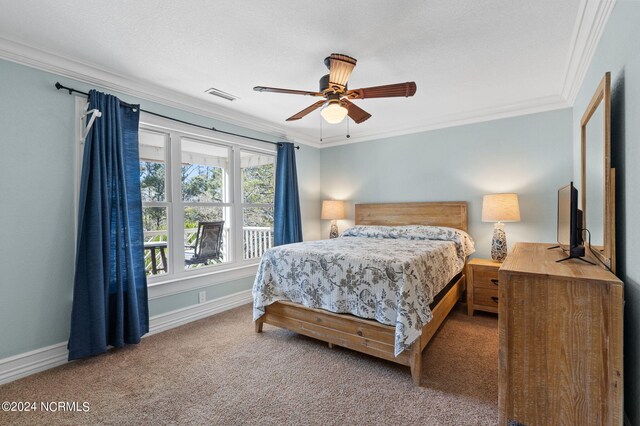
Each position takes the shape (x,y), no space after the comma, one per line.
(334,113)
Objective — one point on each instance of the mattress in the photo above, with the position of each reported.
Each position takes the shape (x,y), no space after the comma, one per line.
(387,274)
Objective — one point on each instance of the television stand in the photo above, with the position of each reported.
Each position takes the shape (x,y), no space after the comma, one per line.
(575,257)
(574,253)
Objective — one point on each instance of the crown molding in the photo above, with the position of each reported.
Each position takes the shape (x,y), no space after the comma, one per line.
(590,23)
(532,106)
(87,73)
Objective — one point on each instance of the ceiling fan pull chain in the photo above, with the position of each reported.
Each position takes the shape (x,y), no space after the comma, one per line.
(348,135)
(320,128)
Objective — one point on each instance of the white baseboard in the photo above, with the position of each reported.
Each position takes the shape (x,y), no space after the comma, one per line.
(164,322)
(25,364)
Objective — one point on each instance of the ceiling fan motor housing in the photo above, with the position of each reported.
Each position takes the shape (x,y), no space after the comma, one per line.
(325,86)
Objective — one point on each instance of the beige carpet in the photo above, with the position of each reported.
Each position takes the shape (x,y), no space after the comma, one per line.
(218,371)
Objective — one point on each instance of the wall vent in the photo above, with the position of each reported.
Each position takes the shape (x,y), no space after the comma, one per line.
(219,93)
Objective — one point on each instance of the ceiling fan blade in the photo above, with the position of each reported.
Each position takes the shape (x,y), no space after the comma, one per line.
(388,91)
(340,68)
(306,111)
(356,113)
(287,91)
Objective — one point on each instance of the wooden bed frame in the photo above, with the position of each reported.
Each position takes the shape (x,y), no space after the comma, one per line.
(369,336)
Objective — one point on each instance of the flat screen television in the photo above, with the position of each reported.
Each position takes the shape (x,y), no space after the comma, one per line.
(570,222)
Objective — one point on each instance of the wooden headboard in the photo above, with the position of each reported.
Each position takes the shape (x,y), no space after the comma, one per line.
(452,214)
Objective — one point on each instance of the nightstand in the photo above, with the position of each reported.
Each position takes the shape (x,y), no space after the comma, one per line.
(482,285)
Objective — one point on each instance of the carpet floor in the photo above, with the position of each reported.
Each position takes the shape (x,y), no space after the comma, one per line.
(219,371)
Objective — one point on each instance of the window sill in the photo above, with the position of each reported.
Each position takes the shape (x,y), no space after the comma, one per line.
(180,284)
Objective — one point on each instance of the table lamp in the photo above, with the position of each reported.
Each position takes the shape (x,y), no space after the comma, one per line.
(500,208)
(333,210)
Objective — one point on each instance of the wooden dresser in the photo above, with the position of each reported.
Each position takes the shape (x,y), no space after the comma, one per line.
(560,329)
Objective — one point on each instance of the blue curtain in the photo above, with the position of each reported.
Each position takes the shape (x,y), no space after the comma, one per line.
(287,219)
(110,305)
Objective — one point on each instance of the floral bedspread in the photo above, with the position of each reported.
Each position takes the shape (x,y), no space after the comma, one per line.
(389,274)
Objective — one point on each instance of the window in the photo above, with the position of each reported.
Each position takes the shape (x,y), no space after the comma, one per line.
(206,196)
(207,203)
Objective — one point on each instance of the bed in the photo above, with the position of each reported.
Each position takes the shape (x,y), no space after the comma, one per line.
(394,315)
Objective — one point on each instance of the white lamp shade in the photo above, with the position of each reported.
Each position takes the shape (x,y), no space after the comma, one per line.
(500,208)
(333,210)
(334,113)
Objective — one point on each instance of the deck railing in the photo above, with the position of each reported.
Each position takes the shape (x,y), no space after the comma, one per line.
(256,241)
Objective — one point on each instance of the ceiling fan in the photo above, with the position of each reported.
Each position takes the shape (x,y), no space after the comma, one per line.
(337,97)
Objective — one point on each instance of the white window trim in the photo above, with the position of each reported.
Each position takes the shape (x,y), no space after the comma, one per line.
(171,283)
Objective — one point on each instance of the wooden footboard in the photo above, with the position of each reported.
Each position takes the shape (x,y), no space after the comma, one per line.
(360,334)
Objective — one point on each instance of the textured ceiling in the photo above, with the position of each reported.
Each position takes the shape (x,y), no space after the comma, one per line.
(465,55)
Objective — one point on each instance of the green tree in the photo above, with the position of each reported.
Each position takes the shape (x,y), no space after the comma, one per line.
(152,188)
(202,184)
(258,186)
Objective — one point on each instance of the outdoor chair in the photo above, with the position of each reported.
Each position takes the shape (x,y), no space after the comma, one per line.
(208,244)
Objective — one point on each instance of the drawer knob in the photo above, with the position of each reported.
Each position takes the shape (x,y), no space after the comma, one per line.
(495,281)
(495,299)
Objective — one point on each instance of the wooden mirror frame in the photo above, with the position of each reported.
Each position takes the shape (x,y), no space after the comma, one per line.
(601,96)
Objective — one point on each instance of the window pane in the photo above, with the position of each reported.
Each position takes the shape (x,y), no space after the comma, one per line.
(152,165)
(206,236)
(258,177)
(257,231)
(205,169)
(156,251)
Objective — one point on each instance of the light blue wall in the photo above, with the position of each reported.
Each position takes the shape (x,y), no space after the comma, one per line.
(308,165)
(619,52)
(36,207)
(189,298)
(529,155)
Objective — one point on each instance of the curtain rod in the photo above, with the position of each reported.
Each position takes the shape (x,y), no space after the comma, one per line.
(71,91)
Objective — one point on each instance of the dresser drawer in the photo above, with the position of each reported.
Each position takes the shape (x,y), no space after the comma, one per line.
(485,278)
(486,296)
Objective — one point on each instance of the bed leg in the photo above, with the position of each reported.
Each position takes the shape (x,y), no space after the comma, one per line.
(258,324)
(415,363)
(330,345)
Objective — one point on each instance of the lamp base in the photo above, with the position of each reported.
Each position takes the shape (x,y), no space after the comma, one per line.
(499,243)
(334,230)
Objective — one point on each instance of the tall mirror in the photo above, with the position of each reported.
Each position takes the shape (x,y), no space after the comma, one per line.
(597,194)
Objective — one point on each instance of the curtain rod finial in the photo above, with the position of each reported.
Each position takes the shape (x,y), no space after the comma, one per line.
(60,86)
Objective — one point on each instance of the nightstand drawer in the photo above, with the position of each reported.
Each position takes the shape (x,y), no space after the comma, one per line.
(486,278)
(485,296)
(482,285)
